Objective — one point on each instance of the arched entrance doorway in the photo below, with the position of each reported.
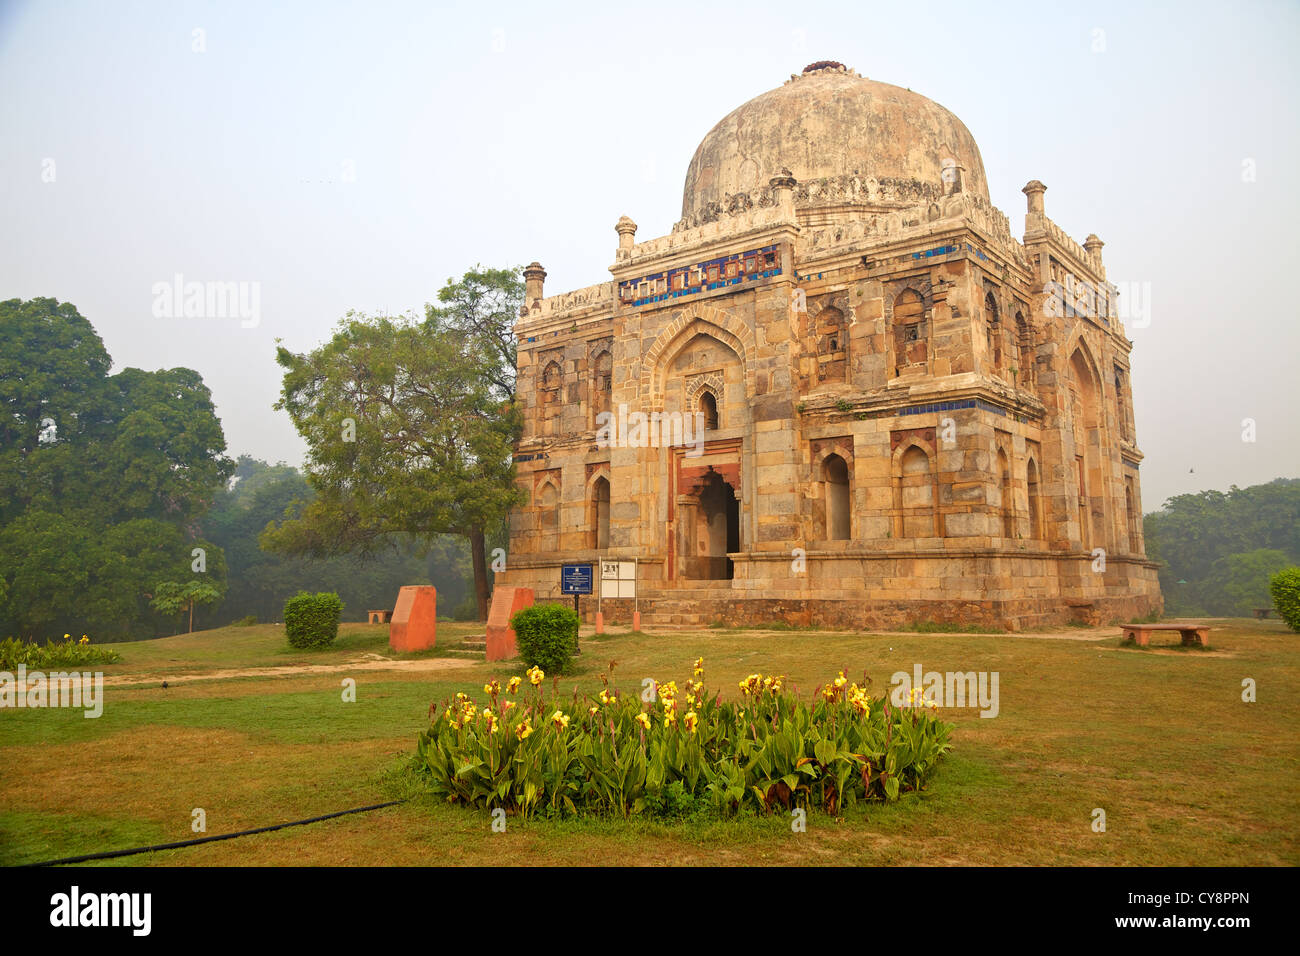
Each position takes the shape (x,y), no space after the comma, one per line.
(710,528)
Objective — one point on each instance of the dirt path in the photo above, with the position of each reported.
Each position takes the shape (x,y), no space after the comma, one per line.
(370,663)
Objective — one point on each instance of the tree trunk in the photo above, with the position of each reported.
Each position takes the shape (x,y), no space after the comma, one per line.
(478,552)
(191,617)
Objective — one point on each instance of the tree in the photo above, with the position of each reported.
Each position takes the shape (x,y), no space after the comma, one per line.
(1204,540)
(484,305)
(261,581)
(102,477)
(406,433)
(1238,583)
(177,597)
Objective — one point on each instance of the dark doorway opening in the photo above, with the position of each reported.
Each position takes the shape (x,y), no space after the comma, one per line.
(711,531)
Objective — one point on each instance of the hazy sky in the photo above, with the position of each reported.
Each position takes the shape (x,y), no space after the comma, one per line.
(355,156)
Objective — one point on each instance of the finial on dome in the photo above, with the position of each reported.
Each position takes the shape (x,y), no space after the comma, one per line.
(825,66)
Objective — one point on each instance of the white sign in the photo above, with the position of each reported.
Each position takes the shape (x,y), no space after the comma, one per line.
(617,579)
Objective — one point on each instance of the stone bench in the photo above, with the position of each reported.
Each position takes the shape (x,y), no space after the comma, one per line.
(1262,612)
(1192,634)
(380,617)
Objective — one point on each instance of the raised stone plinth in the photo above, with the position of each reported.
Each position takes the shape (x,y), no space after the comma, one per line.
(500,635)
(414,626)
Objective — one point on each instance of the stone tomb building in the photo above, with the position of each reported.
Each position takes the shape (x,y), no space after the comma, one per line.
(909,414)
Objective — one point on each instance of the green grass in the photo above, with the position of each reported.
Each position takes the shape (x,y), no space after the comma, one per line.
(265,645)
(1187,773)
(942,627)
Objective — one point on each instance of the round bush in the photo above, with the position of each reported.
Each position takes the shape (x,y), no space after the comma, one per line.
(547,636)
(1285,589)
(312,620)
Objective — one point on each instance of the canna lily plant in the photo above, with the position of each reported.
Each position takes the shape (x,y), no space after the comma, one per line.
(616,754)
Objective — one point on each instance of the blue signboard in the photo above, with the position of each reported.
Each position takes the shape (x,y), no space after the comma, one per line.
(575,579)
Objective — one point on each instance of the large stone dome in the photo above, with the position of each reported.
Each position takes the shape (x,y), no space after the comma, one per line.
(830,124)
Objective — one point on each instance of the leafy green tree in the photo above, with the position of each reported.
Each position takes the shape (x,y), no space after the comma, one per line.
(261,581)
(102,477)
(177,597)
(484,305)
(406,434)
(1193,536)
(1238,584)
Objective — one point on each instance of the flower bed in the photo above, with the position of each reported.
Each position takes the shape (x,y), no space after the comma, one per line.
(619,754)
(67,654)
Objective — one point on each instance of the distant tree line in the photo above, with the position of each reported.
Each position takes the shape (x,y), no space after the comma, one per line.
(121,517)
(103,480)
(260,581)
(1219,549)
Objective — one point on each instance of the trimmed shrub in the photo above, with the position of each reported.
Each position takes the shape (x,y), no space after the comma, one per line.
(1284,587)
(547,636)
(312,620)
(246,621)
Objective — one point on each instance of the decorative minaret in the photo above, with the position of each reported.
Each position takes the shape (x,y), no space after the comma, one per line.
(626,230)
(534,276)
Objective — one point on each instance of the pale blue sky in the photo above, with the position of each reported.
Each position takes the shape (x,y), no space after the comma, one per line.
(504,133)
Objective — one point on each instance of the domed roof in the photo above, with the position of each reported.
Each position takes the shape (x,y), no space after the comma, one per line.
(827,123)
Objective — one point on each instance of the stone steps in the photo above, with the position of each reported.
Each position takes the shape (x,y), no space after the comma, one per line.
(475,647)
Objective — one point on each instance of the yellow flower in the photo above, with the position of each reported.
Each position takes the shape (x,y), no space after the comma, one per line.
(513,686)
(643,719)
(523,729)
(699,667)
(509,704)
(690,720)
(491,720)
(593,710)
(67,637)
(536,675)
(561,720)
(670,717)
(861,702)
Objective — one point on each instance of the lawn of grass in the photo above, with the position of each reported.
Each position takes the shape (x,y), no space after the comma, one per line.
(265,645)
(1187,773)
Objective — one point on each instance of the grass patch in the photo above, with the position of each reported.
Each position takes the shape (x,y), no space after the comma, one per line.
(948,627)
(1189,775)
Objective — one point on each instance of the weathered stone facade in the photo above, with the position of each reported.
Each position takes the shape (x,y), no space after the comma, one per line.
(909,414)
